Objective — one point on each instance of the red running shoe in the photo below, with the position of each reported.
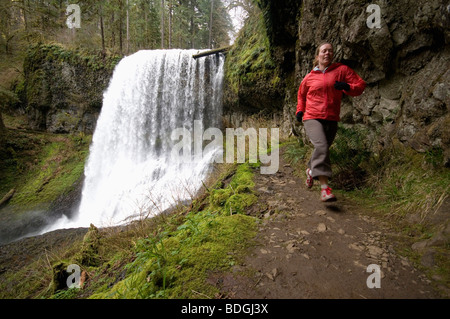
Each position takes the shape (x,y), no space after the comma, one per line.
(327,196)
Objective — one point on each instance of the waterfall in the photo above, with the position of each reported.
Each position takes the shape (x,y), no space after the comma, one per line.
(131,172)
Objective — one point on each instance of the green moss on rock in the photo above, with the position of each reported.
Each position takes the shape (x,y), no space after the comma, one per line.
(252,79)
(62,89)
(89,253)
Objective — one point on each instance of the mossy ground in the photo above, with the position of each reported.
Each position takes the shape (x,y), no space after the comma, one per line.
(40,166)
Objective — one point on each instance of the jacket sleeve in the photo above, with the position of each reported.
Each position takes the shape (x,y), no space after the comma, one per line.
(301,97)
(357,84)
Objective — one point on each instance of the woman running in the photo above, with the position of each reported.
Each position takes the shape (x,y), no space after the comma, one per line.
(319,106)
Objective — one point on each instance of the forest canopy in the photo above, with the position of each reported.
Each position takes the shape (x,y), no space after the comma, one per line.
(116,26)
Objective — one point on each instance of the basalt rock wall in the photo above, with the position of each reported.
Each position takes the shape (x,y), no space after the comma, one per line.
(62,89)
(400,48)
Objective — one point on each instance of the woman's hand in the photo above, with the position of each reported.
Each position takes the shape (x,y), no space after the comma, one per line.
(299,116)
(341,86)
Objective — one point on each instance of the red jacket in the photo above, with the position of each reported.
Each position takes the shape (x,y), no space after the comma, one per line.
(317,97)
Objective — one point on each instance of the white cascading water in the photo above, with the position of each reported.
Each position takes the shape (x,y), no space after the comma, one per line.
(130,172)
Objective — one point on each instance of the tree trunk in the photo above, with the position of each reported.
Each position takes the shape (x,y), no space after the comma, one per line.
(162,24)
(170,24)
(192,24)
(145,42)
(113,34)
(210,52)
(128,29)
(120,28)
(24,14)
(211,25)
(102,29)
(5,199)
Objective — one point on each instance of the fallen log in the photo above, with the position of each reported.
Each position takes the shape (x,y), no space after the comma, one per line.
(210,52)
(7,197)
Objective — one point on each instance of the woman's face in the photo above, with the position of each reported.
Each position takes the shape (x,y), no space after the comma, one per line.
(325,54)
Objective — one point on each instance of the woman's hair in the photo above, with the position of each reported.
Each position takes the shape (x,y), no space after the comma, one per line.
(316,56)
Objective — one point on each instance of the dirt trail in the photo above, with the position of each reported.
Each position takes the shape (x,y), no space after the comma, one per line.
(309,249)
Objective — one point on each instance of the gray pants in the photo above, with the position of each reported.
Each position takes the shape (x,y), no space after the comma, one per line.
(321,134)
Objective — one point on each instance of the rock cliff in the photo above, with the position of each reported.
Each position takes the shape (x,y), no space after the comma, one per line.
(62,90)
(400,48)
